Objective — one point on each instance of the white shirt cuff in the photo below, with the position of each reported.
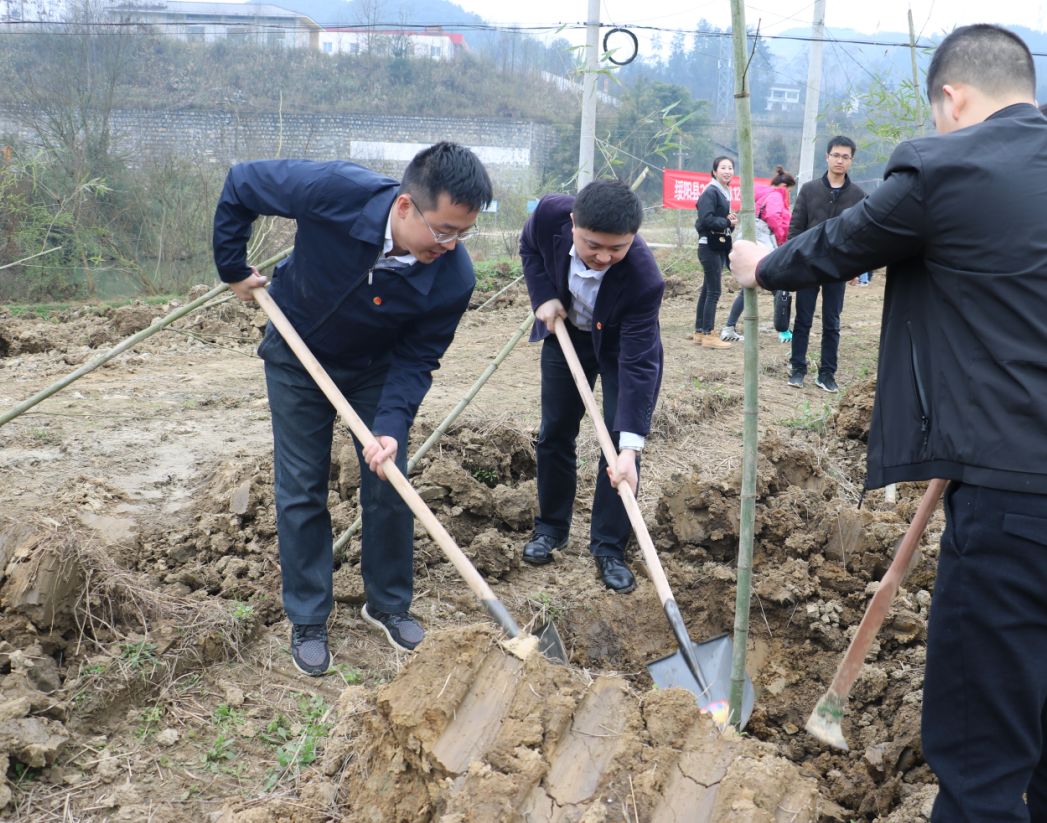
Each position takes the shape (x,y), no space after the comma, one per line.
(628,440)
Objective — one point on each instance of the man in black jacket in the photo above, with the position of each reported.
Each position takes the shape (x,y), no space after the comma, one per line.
(585,264)
(817,201)
(960,395)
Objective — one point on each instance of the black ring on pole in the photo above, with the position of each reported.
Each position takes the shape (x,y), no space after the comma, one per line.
(607,51)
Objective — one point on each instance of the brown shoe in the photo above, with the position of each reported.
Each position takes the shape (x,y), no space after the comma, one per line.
(696,337)
(712,341)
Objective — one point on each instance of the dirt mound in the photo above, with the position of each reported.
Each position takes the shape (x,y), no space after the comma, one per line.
(816,562)
(854,413)
(470,733)
(77,331)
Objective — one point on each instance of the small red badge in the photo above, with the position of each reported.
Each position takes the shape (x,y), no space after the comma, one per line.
(599,326)
(378,301)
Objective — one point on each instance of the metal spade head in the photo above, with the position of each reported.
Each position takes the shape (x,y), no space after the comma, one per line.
(714,660)
(549,642)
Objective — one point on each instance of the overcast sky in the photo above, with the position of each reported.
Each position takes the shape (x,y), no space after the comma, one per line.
(869,16)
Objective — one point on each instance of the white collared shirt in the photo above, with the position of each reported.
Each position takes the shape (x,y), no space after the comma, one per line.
(408,259)
(584,285)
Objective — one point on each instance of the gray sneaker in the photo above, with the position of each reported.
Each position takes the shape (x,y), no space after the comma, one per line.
(309,649)
(796,379)
(826,382)
(401,630)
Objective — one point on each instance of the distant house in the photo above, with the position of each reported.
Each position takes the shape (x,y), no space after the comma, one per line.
(33,12)
(784,98)
(207,22)
(433,43)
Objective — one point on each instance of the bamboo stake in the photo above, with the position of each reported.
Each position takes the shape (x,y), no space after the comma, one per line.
(439,431)
(499,293)
(752,371)
(130,342)
(30,257)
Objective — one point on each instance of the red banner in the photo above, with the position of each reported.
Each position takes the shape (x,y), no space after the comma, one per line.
(681,189)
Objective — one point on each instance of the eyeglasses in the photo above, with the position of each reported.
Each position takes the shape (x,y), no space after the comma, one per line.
(837,156)
(443,237)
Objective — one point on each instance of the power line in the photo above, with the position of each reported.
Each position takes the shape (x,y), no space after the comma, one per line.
(123,27)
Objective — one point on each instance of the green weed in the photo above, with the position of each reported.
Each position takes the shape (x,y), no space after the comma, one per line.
(810,419)
(297,751)
(138,655)
(150,718)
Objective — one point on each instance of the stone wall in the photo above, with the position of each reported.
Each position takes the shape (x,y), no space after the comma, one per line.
(515,151)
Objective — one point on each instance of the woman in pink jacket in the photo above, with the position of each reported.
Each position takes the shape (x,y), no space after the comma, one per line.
(772,227)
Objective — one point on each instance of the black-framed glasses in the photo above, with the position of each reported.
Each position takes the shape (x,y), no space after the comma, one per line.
(837,156)
(443,237)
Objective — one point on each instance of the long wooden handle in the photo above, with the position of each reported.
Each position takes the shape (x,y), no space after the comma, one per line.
(643,537)
(392,472)
(880,604)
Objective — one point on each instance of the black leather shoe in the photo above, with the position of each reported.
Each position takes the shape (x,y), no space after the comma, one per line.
(615,574)
(539,549)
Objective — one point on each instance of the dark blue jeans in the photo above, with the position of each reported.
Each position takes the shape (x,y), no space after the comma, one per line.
(832,305)
(712,265)
(562,412)
(303,425)
(985,688)
(736,309)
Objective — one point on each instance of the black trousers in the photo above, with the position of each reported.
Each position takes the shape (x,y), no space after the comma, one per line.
(303,427)
(832,305)
(713,262)
(985,689)
(562,412)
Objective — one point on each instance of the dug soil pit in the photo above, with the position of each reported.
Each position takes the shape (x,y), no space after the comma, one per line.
(144,667)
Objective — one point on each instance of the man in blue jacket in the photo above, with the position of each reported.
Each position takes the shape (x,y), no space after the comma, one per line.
(584,263)
(376,286)
(960,395)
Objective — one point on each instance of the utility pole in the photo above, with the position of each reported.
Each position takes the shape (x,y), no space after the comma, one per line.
(587,143)
(916,76)
(811,99)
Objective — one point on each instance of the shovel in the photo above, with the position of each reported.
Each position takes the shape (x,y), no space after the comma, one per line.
(704,669)
(824,722)
(439,534)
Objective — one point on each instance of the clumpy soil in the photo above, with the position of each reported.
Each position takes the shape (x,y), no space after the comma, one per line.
(144,671)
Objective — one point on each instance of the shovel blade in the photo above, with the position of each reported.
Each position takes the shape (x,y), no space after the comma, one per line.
(550,644)
(714,660)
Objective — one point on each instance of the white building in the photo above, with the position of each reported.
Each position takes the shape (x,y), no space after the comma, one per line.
(33,12)
(783,98)
(207,22)
(434,44)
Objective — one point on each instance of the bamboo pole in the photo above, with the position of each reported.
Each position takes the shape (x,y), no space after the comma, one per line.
(499,293)
(30,257)
(130,342)
(752,371)
(447,421)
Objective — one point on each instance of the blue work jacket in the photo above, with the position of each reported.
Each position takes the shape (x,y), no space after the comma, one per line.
(347,311)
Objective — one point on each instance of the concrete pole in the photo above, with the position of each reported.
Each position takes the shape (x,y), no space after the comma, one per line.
(587,142)
(813,96)
(916,75)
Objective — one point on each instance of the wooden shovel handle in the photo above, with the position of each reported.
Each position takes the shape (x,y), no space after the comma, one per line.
(643,537)
(392,472)
(880,604)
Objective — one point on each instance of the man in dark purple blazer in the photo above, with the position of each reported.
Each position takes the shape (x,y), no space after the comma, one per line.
(584,262)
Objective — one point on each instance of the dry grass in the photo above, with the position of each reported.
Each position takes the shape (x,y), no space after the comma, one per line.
(144,638)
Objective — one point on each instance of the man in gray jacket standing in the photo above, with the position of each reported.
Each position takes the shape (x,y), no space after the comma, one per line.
(817,201)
